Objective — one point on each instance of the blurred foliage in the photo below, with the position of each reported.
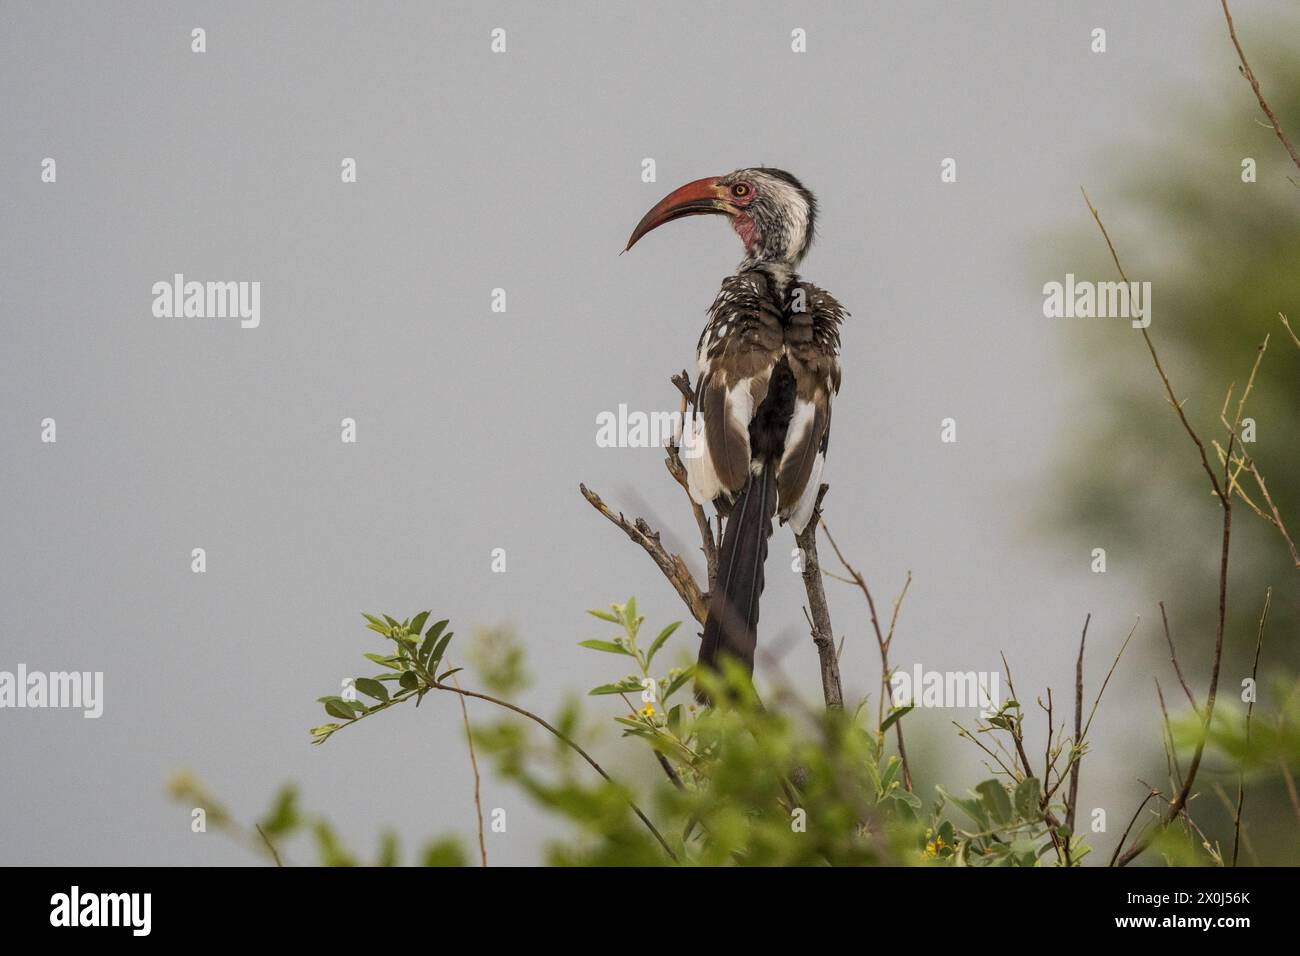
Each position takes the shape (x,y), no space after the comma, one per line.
(1222,256)
(285,820)
(775,783)
(752,783)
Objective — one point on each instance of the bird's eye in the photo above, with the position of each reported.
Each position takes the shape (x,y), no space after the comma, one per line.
(740,190)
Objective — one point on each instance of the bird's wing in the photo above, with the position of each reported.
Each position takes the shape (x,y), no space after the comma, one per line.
(812,341)
(740,344)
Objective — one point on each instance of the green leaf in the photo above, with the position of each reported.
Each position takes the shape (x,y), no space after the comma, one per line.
(417,622)
(906,797)
(994,796)
(891,771)
(606,616)
(372,619)
(658,642)
(445,674)
(283,816)
(430,640)
(439,649)
(409,680)
(338,707)
(372,688)
(609,647)
(393,623)
(894,715)
(324,730)
(677,682)
(1027,799)
(626,686)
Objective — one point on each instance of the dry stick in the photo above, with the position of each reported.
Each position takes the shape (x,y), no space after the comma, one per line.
(1136,814)
(1250,709)
(1072,799)
(269,845)
(887,687)
(1169,389)
(1288,329)
(1254,85)
(672,565)
(819,615)
(1275,519)
(1167,740)
(1180,800)
(565,739)
(1173,659)
(1047,748)
(1110,673)
(473,762)
(1244,460)
(1018,738)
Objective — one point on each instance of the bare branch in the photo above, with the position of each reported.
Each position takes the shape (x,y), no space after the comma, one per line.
(473,762)
(822,634)
(1254,85)
(672,565)
(1225,499)
(1072,800)
(564,738)
(887,689)
(1173,659)
(1250,709)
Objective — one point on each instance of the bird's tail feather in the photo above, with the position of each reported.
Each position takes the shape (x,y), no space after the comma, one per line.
(731,628)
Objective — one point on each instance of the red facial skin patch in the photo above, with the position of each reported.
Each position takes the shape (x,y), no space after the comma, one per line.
(745,227)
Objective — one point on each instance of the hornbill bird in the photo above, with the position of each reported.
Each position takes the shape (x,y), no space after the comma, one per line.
(757,433)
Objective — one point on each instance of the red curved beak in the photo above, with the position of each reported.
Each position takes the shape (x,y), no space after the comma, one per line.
(702,197)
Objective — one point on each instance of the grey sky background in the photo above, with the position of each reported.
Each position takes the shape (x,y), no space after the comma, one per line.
(519,171)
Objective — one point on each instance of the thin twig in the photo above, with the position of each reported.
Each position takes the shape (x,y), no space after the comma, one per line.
(1169,389)
(1167,740)
(1073,797)
(473,762)
(1250,709)
(1225,499)
(887,688)
(1113,664)
(1254,85)
(1173,659)
(566,740)
(672,565)
(1118,846)
(819,613)
(1288,329)
(269,845)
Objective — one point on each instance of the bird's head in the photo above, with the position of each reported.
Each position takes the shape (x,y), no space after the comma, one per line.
(770,210)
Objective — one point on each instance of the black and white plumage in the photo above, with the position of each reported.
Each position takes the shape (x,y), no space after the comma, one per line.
(768,369)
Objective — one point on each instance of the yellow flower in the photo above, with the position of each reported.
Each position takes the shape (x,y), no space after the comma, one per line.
(648,711)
